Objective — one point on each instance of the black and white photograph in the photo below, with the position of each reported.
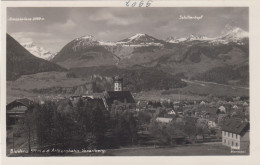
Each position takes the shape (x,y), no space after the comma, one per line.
(127,81)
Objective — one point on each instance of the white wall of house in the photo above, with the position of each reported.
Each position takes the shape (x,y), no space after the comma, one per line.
(163,120)
(231,139)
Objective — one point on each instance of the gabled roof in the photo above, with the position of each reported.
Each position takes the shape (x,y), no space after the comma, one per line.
(19,102)
(122,96)
(236,126)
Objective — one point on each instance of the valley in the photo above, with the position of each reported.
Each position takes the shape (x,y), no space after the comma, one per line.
(171,67)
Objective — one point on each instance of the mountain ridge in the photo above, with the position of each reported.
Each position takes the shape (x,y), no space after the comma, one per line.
(20,61)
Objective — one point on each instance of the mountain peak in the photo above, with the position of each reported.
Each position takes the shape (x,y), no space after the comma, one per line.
(38,51)
(196,37)
(141,39)
(229,29)
(87,37)
(138,35)
(232,34)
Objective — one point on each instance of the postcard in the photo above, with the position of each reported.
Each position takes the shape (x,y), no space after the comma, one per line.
(131,81)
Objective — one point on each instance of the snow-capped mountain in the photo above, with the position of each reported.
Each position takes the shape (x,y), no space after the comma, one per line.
(228,34)
(175,39)
(84,41)
(38,51)
(232,34)
(140,39)
(85,51)
(194,37)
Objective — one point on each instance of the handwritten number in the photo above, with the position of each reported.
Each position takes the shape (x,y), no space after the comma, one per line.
(148,3)
(127,3)
(141,3)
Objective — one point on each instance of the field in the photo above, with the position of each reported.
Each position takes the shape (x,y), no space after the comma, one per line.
(187,150)
(195,90)
(207,88)
(184,150)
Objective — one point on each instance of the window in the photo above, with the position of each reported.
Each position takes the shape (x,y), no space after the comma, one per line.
(225,141)
(236,144)
(232,143)
(236,136)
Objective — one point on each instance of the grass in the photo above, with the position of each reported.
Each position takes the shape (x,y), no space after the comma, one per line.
(213,149)
(186,150)
(206,88)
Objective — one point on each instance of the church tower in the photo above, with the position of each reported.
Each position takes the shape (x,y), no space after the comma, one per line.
(118,84)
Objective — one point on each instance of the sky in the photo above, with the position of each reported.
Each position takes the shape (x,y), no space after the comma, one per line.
(59,25)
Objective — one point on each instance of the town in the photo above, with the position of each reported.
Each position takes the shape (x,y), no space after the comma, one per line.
(127,81)
(118,120)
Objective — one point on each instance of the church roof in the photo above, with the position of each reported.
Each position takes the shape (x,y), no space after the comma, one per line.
(122,96)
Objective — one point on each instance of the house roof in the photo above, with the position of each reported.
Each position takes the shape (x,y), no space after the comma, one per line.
(19,102)
(122,96)
(236,126)
(222,108)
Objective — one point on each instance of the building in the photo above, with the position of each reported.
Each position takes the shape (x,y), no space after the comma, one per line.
(117,95)
(222,109)
(164,119)
(235,134)
(212,123)
(16,110)
(118,84)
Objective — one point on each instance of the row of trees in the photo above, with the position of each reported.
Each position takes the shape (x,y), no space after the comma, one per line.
(84,125)
(88,125)
(188,129)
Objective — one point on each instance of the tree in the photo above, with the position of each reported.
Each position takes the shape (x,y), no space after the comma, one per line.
(144,117)
(28,124)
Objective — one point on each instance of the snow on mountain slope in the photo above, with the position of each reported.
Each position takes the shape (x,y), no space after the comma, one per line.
(175,39)
(228,34)
(140,39)
(38,51)
(192,37)
(232,34)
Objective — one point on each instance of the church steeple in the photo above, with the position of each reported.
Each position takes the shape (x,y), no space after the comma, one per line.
(118,84)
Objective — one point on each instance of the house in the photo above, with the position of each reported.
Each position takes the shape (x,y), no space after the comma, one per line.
(245,104)
(16,110)
(163,119)
(171,112)
(235,107)
(235,134)
(222,109)
(202,103)
(117,95)
(212,122)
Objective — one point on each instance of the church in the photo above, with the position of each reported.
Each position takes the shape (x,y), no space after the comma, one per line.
(118,94)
